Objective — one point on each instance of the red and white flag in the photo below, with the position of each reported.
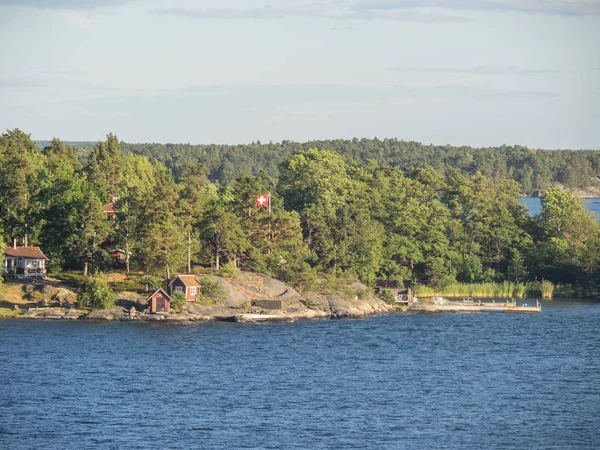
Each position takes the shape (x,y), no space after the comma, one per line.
(262,201)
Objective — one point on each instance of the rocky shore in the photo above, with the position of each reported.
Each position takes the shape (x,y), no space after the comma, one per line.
(354,301)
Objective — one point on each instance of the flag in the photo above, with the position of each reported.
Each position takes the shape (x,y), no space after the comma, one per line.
(262,200)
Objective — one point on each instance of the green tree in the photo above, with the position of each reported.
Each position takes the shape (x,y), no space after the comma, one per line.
(105,169)
(93,230)
(20,162)
(196,192)
(96,293)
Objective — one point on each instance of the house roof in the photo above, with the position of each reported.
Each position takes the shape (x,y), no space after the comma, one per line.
(109,207)
(188,280)
(24,252)
(160,290)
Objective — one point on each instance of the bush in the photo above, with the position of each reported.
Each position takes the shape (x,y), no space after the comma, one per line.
(212,289)
(387,296)
(151,281)
(178,300)
(96,293)
(230,270)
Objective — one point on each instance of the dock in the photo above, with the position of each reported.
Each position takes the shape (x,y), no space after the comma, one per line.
(509,306)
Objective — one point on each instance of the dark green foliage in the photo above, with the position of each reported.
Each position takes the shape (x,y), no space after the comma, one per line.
(96,293)
(387,296)
(178,301)
(533,169)
(212,289)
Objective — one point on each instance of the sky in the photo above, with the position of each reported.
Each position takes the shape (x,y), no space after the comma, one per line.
(460,72)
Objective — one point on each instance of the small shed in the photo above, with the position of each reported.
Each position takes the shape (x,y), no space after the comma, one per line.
(159,302)
(187,285)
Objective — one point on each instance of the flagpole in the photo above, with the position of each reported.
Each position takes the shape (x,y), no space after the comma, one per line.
(269,207)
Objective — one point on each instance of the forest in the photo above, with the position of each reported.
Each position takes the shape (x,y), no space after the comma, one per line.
(372,210)
(534,170)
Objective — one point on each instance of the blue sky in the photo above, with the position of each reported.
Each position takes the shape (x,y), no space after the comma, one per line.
(472,72)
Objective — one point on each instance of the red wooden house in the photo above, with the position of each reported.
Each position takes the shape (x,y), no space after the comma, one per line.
(110,210)
(159,302)
(187,285)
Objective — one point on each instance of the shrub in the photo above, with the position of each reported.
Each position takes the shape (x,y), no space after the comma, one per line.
(151,282)
(205,301)
(230,270)
(387,296)
(362,293)
(96,293)
(178,300)
(212,289)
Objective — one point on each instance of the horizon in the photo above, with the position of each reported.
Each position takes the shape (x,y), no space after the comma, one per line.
(381,139)
(478,73)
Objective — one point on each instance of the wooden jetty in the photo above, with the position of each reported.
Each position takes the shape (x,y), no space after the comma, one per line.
(509,306)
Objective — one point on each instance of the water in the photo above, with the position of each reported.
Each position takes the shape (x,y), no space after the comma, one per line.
(474,381)
(534,205)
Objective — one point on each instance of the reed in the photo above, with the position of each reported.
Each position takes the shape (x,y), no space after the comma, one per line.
(505,289)
(546,288)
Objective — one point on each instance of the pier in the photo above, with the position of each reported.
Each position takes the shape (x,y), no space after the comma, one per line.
(509,306)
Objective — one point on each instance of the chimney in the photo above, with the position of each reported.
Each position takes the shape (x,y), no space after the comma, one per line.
(15,243)
(25,239)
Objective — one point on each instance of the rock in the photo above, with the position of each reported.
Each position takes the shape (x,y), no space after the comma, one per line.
(64,296)
(49,290)
(116,313)
(43,302)
(28,288)
(16,307)
(132,312)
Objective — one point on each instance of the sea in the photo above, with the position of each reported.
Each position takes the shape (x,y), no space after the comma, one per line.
(398,381)
(534,205)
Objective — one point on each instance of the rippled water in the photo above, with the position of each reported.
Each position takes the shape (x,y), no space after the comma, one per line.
(534,205)
(400,381)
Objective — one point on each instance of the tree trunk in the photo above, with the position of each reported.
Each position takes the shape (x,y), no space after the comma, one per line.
(189,252)
(168,273)
(218,260)
(85,269)
(127,257)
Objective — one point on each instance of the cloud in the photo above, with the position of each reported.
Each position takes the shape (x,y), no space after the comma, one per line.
(478,70)
(549,7)
(300,94)
(312,12)
(49,80)
(74,5)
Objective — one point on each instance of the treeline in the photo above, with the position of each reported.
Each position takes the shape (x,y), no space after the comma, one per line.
(534,170)
(329,215)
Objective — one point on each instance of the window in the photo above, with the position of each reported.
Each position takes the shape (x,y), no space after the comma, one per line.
(179,289)
(193,290)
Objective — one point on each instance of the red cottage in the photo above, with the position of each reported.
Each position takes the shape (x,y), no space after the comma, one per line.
(185,284)
(159,302)
(24,262)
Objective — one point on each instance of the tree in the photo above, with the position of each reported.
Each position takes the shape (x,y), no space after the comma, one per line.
(93,230)
(166,249)
(223,235)
(20,162)
(195,193)
(105,169)
(96,293)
